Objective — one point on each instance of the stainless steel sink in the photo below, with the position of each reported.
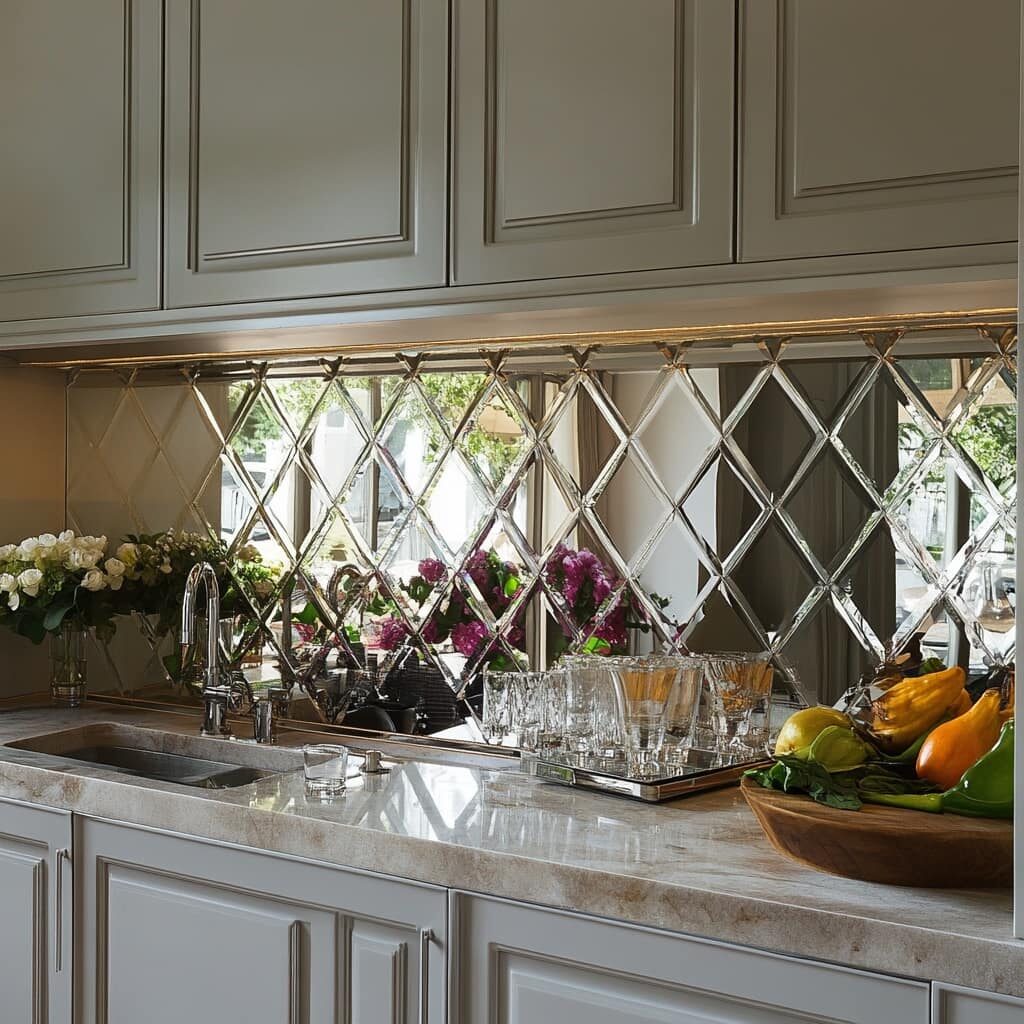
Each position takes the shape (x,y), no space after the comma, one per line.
(201,763)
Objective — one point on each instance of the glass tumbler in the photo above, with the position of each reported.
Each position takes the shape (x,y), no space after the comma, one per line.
(644,688)
(739,686)
(538,713)
(326,769)
(586,678)
(499,696)
(681,714)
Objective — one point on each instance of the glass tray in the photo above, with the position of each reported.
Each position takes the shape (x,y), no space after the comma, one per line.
(703,773)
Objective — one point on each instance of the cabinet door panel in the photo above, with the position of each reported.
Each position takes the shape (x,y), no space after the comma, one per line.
(35,980)
(244,953)
(589,140)
(80,164)
(265,939)
(954,1005)
(306,147)
(522,964)
(866,126)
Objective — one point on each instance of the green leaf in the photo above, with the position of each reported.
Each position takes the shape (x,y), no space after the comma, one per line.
(308,616)
(55,616)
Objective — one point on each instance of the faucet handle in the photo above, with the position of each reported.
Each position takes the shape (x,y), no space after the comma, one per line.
(267,709)
(215,712)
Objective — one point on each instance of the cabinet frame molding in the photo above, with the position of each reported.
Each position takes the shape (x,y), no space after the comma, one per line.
(781,217)
(412,256)
(130,283)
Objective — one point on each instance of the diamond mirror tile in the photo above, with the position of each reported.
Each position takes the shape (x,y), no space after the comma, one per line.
(823,499)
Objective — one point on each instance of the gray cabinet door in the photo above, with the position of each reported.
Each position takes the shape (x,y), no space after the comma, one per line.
(871,126)
(954,1005)
(521,965)
(79,157)
(170,929)
(306,147)
(35,914)
(591,137)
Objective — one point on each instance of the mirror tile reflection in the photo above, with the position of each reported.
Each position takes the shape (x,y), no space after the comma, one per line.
(822,500)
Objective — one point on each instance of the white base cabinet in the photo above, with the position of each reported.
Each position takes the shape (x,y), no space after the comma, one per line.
(523,965)
(173,930)
(169,929)
(35,915)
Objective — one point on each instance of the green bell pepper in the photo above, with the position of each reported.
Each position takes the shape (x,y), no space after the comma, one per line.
(985,791)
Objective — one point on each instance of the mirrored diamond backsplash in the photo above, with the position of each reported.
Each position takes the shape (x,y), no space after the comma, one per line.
(825,499)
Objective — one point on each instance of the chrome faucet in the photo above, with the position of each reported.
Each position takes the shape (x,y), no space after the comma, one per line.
(347,570)
(221,692)
(216,696)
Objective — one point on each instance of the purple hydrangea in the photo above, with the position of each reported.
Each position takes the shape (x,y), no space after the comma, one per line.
(392,633)
(432,570)
(467,637)
(580,567)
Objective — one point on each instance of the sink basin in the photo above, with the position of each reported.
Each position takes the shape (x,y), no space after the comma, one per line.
(199,762)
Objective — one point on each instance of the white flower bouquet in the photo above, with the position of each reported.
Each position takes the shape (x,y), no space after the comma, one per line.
(53,578)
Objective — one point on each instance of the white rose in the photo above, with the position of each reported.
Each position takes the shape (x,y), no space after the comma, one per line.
(114,567)
(47,540)
(13,600)
(93,580)
(114,582)
(8,583)
(91,558)
(26,550)
(30,581)
(129,554)
(66,536)
(6,550)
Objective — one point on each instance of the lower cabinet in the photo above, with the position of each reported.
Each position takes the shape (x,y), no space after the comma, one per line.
(524,965)
(35,915)
(953,1005)
(173,930)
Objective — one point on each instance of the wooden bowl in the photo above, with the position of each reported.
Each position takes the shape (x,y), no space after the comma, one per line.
(886,844)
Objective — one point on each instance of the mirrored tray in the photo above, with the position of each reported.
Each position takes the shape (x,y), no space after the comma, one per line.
(702,774)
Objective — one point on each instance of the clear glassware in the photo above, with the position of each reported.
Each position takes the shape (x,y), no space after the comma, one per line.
(738,685)
(681,714)
(587,686)
(538,714)
(499,697)
(326,770)
(644,688)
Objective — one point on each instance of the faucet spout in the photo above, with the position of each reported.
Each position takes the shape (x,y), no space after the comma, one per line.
(202,573)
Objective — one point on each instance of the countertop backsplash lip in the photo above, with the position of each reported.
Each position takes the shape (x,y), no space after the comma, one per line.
(700,866)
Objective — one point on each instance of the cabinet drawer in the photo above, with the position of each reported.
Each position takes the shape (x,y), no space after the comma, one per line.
(523,964)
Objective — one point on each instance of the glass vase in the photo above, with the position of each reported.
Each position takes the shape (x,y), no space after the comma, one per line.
(67,665)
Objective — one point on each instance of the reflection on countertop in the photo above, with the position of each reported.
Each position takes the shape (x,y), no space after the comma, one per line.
(699,865)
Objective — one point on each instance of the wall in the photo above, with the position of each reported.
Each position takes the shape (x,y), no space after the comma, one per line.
(32,487)
(822,498)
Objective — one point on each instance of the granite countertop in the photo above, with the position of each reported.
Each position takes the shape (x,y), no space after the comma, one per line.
(699,865)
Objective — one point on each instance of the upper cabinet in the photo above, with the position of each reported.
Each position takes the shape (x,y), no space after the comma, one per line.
(871,126)
(79,157)
(591,137)
(306,148)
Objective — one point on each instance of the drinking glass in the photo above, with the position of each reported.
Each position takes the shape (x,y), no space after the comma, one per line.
(586,677)
(326,769)
(681,714)
(644,688)
(738,685)
(538,709)
(499,696)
